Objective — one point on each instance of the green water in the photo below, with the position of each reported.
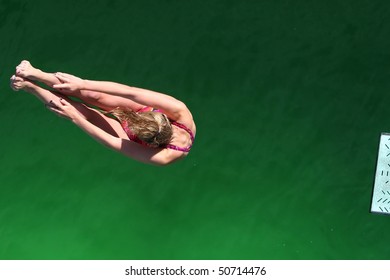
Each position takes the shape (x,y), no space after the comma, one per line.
(289,98)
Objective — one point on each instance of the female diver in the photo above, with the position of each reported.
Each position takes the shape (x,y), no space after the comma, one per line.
(147,126)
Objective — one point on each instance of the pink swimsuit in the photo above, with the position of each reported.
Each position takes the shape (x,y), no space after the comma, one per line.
(134,138)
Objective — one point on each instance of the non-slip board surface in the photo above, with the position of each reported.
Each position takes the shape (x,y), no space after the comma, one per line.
(381,193)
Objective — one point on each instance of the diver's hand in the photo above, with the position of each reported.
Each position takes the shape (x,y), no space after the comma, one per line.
(69,82)
(64,109)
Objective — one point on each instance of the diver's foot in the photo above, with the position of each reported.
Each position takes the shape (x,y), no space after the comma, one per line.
(18,83)
(26,70)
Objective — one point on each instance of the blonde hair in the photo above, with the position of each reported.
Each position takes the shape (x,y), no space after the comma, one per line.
(153,128)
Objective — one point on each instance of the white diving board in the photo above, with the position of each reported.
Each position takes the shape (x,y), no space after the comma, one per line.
(381,194)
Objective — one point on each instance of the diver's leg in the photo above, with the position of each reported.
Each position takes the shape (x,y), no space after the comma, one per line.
(50,98)
(99,99)
(19,83)
(27,71)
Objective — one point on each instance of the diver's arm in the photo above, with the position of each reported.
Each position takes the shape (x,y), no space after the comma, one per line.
(133,150)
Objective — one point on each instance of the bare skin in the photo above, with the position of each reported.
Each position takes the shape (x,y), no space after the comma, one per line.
(96,98)
(52,101)
(107,96)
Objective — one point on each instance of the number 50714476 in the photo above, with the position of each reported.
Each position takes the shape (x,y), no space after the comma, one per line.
(233,270)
